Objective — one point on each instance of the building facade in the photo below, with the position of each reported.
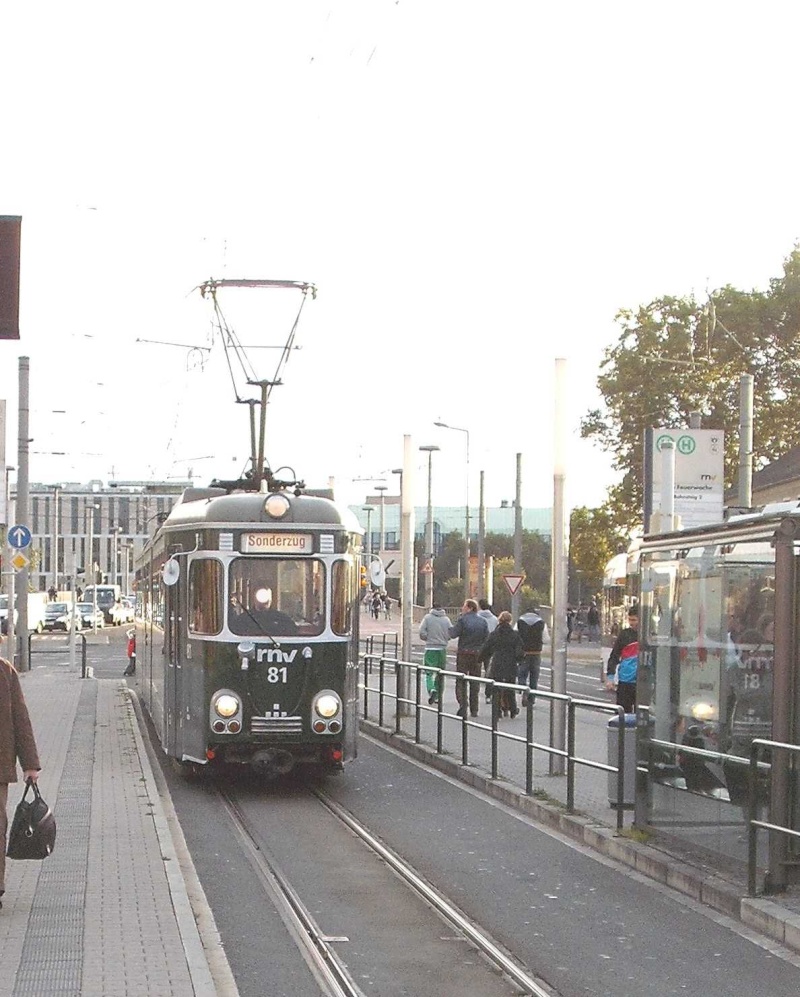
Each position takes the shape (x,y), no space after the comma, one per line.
(81,531)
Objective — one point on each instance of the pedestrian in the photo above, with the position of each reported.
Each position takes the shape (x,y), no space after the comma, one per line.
(533,634)
(487,613)
(435,631)
(387,606)
(570,622)
(623,663)
(376,605)
(51,594)
(503,652)
(593,620)
(16,743)
(472,631)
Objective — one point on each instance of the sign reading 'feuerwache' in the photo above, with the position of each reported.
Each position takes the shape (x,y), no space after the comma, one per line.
(277,543)
(699,474)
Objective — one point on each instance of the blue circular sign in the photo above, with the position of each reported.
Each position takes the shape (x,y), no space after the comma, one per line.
(19,537)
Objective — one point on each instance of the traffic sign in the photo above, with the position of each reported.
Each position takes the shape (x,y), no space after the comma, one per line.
(513,582)
(19,537)
(19,561)
(427,568)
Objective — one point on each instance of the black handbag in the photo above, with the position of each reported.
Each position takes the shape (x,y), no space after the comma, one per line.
(33,830)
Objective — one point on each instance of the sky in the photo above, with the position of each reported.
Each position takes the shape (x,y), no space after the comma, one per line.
(474,189)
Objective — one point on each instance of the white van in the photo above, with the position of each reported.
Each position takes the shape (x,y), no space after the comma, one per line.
(36,604)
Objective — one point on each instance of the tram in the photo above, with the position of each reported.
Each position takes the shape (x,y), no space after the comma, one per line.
(248,627)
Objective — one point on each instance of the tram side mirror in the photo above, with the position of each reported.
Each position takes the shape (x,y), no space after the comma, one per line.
(247,652)
(171,572)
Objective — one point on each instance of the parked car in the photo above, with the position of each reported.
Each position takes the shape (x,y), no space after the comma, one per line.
(88,616)
(122,612)
(57,616)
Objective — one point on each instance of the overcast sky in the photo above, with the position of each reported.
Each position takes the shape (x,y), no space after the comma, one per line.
(474,188)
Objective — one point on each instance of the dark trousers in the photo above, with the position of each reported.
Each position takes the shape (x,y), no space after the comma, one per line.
(467,662)
(626,696)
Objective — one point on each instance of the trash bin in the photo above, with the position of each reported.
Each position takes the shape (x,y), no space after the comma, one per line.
(628,761)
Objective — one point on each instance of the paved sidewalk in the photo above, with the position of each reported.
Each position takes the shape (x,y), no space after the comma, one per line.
(720,886)
(109,912)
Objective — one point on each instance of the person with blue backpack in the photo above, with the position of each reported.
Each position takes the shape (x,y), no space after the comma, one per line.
(623,663)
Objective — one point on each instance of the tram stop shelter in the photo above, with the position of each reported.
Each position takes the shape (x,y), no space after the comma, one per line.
(718,720)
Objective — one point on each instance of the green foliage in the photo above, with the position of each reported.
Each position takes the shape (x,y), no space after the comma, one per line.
(675,356)
(594,538)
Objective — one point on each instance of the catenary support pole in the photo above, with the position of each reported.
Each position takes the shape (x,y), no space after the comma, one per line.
(745,497)
(517,538)
(22,509)
(560,554)
(407,511)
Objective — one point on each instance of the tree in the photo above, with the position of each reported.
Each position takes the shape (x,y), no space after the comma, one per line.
(675,356)
(594,539)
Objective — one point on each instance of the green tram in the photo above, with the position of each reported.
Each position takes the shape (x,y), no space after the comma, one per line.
(247,607)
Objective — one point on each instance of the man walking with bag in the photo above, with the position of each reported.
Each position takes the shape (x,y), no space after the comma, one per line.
(16,742)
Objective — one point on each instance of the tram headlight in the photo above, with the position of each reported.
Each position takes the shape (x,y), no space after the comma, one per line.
(327,704)
(226,705)
(276,506)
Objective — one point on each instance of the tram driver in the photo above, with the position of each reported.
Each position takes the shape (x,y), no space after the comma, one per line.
(260,617)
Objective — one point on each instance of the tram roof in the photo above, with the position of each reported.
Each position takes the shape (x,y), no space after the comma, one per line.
(215,506)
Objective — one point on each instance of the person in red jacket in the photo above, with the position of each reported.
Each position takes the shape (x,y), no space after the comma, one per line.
(16,743)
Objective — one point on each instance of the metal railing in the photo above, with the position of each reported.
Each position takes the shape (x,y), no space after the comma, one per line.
(388,666)
(48,648)
(752,806)
(754,767)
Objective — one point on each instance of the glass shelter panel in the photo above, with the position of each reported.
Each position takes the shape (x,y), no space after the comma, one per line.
(705,683)
(276,596)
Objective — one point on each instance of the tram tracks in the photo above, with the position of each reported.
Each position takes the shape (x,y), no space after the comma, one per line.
(318,948)
(326,965)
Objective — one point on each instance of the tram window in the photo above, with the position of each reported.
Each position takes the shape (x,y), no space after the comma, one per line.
(205,596)
(280,597)
(343,595)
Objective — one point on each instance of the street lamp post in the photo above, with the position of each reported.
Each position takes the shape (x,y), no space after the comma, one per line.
(429,449)
(369,510)
(381,542)
(115,532)
(11,577)
(458,429)
(90,553)
(56,504)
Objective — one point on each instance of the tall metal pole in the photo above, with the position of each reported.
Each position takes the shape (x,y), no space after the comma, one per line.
(481,541)
(459,429)
(428,553)
(11,574)
(746,441)
(560,548)
(369,510)
(23,506)
(56,505)
(381,489)
(407,558)
(515,598)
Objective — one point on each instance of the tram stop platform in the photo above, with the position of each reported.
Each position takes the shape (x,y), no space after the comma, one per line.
(117,908)
(722,885)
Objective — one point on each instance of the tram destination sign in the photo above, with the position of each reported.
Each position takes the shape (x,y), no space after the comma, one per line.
(277,543)
(699,474)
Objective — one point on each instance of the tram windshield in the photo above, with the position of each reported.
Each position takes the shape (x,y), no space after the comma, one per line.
(276,597)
